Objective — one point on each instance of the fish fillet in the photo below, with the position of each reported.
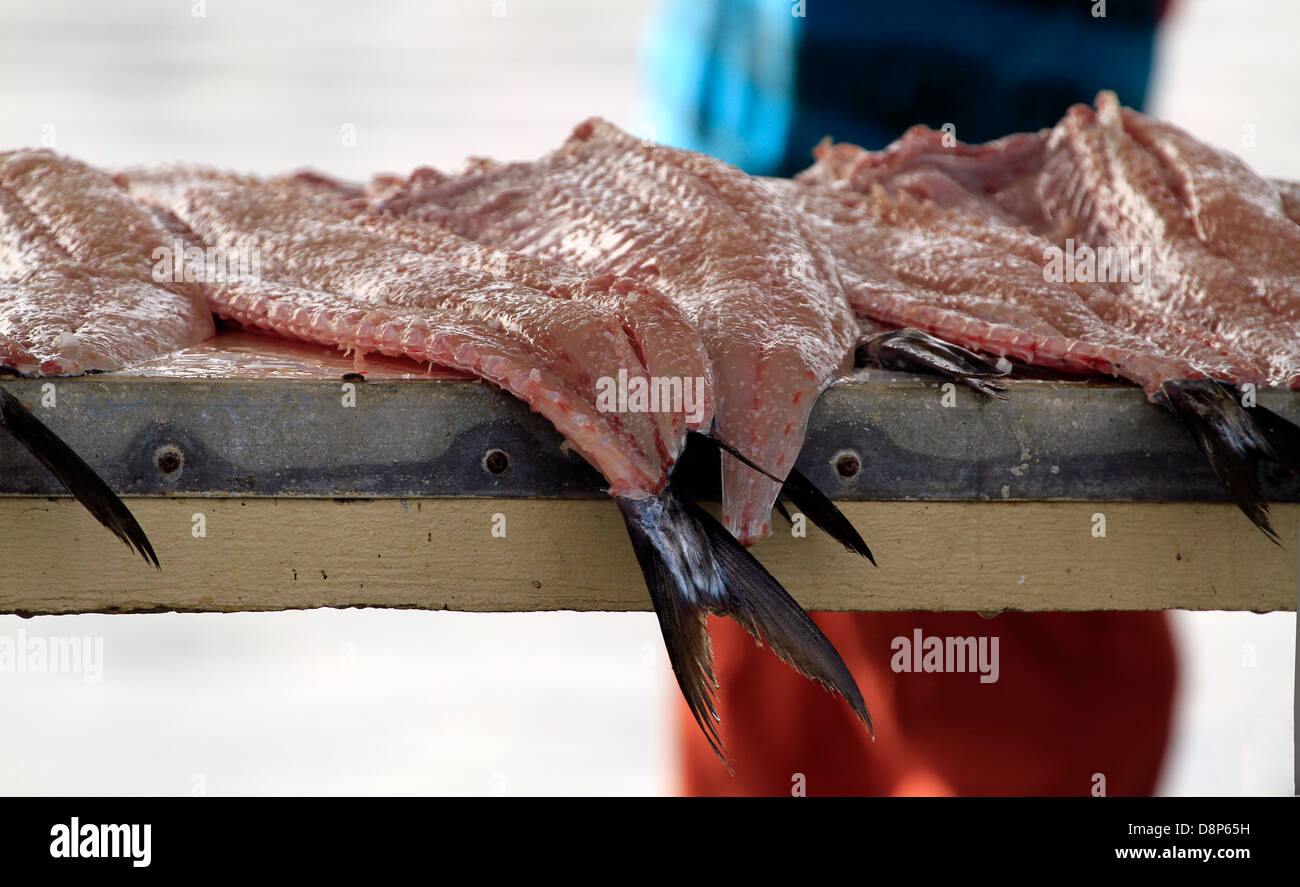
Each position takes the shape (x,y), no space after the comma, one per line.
(956,240)
(332,279)
(762,292)
(1226,257)
(981,285)
(1225,246)
(541,332)
(77,294)
(77,291)
(1288,193)
(995,180)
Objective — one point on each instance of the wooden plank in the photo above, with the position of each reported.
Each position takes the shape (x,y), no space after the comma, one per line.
(276,554)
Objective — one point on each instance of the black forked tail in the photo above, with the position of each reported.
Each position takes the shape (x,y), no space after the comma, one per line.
(807,497)
(1238,441)
(824,513)
(80,479)
(694,567)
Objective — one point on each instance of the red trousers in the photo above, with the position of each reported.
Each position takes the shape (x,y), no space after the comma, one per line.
(1082,703)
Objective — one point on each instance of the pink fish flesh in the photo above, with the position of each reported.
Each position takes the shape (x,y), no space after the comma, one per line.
(763,294)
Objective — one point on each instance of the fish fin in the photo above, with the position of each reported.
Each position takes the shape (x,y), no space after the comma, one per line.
(824,513)
(677,562)
(79,478)
(808,499)
(719,444)
(984,387)
(783,511)
(764,609)
(916,351)
(693,567)
(861,359)
(1235,442)
(1282,434)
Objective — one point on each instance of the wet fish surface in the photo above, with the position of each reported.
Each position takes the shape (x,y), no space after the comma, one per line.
(612,258)
(1223,244)
(78,294)
(77,289)
(1214,308)
(539,331)
(762,292)
(332,279)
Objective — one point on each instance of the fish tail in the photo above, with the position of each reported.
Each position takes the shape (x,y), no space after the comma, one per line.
(806,495)
(694,567)
(824,513)
(1283,436)
(916,351)
(79,478)
(1237,440)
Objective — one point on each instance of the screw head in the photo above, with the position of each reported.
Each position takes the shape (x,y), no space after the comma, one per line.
(496,462)
(169,459)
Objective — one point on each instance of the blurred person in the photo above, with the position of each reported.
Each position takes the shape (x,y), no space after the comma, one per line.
(1082,702)
(758,83)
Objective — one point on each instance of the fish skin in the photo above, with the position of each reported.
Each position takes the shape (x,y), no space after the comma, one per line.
(978,284)
(1102,185)
(1226,250)
(330,279)
(1217,306)
(995,180)
(1235,211)
(662,337)
(1288,193)
(77,291)
(764,295)
(77,294)
(366,284)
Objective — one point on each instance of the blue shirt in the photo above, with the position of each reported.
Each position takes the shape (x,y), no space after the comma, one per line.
(760,82)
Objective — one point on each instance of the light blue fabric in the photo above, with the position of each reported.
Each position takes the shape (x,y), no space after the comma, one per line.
(722,78)
(757,85)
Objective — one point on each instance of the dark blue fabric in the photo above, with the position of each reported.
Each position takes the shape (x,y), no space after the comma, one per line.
(757,84)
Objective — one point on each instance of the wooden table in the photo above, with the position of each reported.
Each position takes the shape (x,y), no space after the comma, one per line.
(274,483)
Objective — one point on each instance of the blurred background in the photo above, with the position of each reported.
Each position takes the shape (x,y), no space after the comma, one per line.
(410,702)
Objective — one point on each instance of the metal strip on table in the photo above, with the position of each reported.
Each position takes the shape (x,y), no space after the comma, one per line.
(431,438)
